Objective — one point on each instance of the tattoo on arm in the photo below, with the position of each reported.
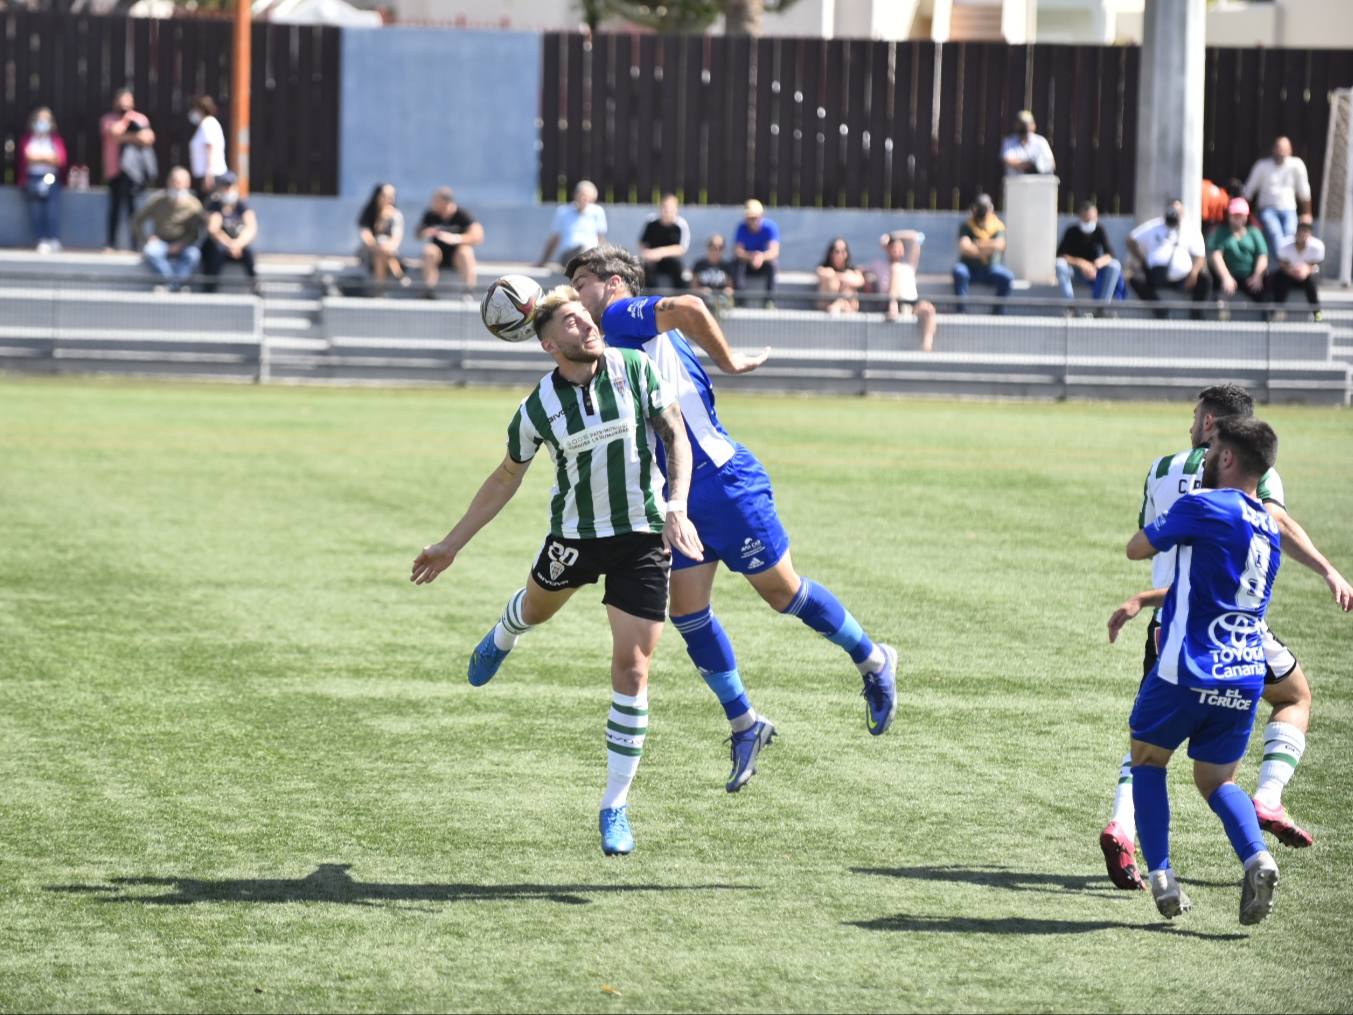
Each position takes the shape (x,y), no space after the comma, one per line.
(671,429)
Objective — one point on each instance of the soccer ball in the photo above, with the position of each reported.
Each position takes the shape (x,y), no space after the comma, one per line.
(508,306)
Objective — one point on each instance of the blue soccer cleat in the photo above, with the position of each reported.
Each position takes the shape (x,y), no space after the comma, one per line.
(484,661)
(747,745)
(880,693)
(616,838)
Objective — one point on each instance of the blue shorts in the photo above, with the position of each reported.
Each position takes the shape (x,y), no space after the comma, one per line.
(733,510)
(1216,723)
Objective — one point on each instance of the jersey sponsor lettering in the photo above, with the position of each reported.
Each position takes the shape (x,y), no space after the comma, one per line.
(1227,557)
(600,438)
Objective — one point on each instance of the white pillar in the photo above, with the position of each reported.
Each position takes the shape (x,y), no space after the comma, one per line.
(1019,21)
(1170,111)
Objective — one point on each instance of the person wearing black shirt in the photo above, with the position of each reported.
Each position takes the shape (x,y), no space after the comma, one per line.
(662,245)
(231,228)
(712,275)
(449,234)
(1085,256)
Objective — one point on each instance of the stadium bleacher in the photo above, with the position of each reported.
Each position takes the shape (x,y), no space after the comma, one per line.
(101,313)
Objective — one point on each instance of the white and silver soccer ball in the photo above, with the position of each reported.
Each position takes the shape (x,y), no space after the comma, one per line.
(508,306)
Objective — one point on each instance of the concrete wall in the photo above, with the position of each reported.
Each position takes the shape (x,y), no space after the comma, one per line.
(516,232)
(423,107)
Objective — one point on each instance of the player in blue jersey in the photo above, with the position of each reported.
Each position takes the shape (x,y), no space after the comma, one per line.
(1285,685)
(1208,678)
(731,504)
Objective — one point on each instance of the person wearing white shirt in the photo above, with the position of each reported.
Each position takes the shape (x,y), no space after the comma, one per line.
(578,226)
(1026,151)
(1280,188)
(207,149)
(1171,255)
(1299,260)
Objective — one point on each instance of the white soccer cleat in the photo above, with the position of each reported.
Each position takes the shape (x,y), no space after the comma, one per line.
(1256,891)
(1170,898)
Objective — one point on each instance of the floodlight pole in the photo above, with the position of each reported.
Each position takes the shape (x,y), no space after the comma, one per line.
(239,95)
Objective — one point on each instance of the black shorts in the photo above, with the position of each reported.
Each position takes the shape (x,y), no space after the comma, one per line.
(1278,659)
(636,566)
(448,252)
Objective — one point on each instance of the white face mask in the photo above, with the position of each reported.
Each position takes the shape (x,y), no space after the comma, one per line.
(1088,227)
(194,117)
(42,126)
(175,194)
(230,196)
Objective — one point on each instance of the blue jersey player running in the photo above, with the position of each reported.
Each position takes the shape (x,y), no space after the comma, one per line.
(1207,681)
(731,504)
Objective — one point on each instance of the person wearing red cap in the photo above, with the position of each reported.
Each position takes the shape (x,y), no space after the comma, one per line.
(1238,253)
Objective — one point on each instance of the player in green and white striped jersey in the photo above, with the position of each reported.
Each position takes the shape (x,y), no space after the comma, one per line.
(1285,686)
(599,414)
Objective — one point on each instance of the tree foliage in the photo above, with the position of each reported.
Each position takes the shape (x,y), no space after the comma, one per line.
(741,17)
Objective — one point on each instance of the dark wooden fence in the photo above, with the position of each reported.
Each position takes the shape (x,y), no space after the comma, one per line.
(74,63)
(914,125)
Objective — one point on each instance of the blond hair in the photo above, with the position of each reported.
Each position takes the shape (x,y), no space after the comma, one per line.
(549,306)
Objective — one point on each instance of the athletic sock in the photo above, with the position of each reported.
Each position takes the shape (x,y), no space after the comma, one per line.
(709,648)
(511,626)
(1284,745)
(626,728)
(1229,802)
(1124,810)
(1152,801)
(815,605)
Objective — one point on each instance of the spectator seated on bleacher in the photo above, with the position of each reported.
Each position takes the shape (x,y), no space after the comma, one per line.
(381,230)
(175,216)
(1085,256)
(1170,255)
(981,245)
(756,249)
(577,227)
(838,280)
(449,234)
(1238,254)
(894,276)
(662,245)
(1298,265)
(712,275)
(231,229)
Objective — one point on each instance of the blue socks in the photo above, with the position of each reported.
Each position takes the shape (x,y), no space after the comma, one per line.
(1152,802)
(1230,803)
(709,648)
(823,612)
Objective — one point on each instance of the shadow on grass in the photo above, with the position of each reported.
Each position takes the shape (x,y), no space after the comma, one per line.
(331,882)
(1023,926)
(1016,881)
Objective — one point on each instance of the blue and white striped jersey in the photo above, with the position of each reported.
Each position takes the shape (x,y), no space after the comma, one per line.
(632,324)
(1228,552)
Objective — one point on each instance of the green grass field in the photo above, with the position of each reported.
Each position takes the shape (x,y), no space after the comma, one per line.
(242,769)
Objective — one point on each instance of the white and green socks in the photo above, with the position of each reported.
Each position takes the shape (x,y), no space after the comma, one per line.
(511,626)
(626,728)
(1124,810)
(1284,745)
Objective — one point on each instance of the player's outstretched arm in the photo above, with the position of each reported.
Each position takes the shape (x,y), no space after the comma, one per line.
(1131,607)
(677,530)
(493,495)
(1139,547)
(689,315)
(1297,545)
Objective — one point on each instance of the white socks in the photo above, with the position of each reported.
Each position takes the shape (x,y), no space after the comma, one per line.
(1124,810)
(511,626)
(1284,745)
(626,728)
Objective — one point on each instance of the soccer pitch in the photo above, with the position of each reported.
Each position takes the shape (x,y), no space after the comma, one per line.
(241,769)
